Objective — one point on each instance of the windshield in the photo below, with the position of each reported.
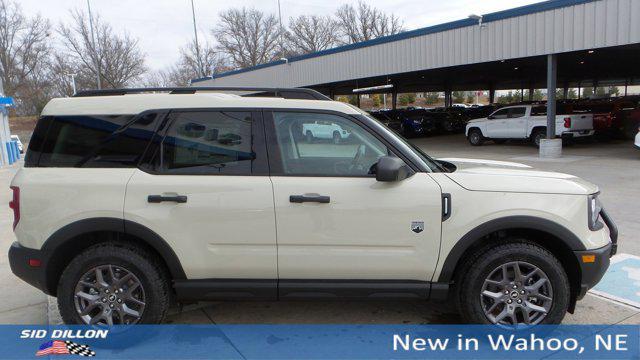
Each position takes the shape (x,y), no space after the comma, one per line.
(433,165)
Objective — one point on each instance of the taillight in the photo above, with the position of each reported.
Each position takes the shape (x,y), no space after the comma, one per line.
(14,204)
(567,122)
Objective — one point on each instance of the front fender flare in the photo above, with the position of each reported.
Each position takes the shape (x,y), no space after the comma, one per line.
(505,223)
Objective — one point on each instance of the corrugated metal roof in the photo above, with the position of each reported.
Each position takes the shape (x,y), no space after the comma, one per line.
(487,18)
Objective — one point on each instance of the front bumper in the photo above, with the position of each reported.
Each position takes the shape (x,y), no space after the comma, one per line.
(19,257)
(594,263)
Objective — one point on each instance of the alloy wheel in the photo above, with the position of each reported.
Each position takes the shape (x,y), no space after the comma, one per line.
(516,293)
(109,295)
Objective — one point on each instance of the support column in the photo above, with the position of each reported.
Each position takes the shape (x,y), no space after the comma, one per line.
(551,147)
(394,99)
(492,94)
(448,99)
(531,90)
(358,100)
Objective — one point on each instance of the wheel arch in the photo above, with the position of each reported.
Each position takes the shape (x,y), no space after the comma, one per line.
(63,245)
(474,127)
(537,128)
(554,237)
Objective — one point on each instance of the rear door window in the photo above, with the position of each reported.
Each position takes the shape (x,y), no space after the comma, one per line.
(209,143)
(517,112)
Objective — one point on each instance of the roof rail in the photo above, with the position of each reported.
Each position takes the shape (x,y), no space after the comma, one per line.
(287,93)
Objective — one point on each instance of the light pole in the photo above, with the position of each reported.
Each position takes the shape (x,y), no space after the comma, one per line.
(195,33)
(281,31)
(95,50)
(73,82)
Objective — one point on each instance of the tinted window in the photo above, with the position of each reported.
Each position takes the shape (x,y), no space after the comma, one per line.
(208,142)
(501,114)
(517,112)
(325,145)
(96,141)
(539,111)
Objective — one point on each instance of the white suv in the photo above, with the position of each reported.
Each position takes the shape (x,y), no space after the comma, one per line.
(129,202)
(324,130)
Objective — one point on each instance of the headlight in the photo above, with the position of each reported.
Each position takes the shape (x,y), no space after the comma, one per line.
(594,213)
(418,121)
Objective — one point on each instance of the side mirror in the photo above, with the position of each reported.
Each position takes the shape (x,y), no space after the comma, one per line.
(491,117)
(390,168)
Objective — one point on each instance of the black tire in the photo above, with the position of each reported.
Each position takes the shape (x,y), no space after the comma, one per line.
(309,136)
(499,141)
(146,267)
(478,267)
(475,137)
(538,135)
(336,137)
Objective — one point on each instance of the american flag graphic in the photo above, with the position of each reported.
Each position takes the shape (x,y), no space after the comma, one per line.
(59,347)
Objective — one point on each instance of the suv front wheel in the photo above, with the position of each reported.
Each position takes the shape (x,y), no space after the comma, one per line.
(514,284)
(113,284)
(475,137)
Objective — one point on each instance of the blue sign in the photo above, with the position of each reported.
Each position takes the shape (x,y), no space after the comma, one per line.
(321,342)
(6,101)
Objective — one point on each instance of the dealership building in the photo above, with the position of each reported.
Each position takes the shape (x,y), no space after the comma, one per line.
(590,42)
(553,44)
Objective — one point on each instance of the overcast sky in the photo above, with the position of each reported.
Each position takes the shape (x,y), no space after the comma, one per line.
(163,26)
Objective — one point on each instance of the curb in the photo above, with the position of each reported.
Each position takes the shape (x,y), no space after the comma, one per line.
(53,315)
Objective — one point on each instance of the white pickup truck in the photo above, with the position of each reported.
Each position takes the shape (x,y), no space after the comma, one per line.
(526,122)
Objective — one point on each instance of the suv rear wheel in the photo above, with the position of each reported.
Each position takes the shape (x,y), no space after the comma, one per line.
(516,283)
(112,284)
(336,137)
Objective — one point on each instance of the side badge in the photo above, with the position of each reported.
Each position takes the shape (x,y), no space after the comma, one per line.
(417,226)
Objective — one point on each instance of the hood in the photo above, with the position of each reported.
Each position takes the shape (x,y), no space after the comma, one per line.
(504,176)
(476,120)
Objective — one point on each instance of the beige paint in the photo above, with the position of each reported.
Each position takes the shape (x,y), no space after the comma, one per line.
(226,229)
(363,233)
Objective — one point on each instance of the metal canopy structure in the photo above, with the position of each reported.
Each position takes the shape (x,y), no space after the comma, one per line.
(596,42)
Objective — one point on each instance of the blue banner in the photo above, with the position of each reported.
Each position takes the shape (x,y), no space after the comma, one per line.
(320,342)
(6,101)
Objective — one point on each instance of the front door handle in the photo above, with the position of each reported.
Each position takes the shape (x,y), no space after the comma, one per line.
(160,198)
(309,198)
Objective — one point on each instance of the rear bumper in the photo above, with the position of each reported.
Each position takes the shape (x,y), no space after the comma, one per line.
(19,257)
(577,133)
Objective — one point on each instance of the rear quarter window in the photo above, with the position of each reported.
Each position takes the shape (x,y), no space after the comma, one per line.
(92,140)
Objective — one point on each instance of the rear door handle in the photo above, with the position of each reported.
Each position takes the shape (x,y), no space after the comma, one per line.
(309,198)
(160,198)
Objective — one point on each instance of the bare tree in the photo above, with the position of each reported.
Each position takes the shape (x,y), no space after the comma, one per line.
(204,61)
(310,33)
(175,75)
(248,36)
(363,22)
(116,56)
(23,53)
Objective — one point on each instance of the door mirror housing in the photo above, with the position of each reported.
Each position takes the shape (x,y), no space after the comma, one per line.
(391,168)
(491,117)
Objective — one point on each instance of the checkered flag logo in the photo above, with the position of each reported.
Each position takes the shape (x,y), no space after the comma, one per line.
(79,349)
